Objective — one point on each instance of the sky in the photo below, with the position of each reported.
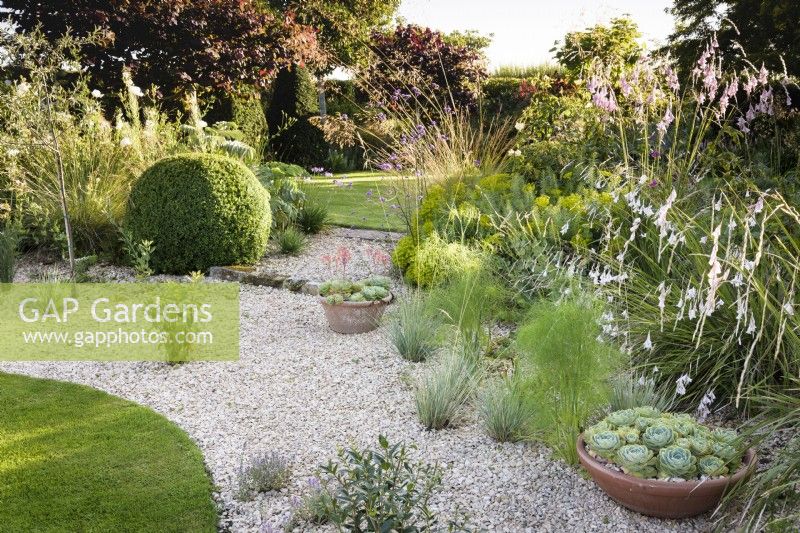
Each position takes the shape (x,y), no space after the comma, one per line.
(525,30)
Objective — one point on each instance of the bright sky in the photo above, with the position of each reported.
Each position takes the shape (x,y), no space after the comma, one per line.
(525,30)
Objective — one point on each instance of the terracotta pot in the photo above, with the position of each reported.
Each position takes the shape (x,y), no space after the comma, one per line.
(354,317)
(663,499)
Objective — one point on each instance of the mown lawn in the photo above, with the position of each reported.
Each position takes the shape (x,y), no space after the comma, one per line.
(354,200)
(76,459)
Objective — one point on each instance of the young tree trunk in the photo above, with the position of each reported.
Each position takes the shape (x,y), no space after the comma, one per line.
(62,187)
(323,104)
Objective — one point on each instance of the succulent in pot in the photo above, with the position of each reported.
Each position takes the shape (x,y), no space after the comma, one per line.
(664,465)
(354,306)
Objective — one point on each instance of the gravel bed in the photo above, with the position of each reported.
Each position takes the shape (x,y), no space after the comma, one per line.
(301,390)
(309,264)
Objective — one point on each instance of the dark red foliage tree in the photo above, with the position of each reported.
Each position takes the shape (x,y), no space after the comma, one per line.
(423,63)
(215,44)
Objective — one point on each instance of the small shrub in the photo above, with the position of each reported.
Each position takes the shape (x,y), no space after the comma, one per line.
(82,266)
(138,254)
(438,261)
(442,393)
(413,330)
(9,248)
(290,241)
(504,412)
(629,391)
(404,252)
(381,489)
(265,472)
(564,371)
(314,507)
(311,217)
(200,210)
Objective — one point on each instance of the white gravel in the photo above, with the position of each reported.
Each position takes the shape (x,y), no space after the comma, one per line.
(302,390)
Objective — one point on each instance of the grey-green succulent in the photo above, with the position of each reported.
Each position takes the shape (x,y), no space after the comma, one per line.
(604,444)
(644,422)
(628,434)
(646,443)
(636,460)
(728,436)
(674,461)
(625,417)
(647,411)
(658,436)
(725,451)
(700,445)
(712,466)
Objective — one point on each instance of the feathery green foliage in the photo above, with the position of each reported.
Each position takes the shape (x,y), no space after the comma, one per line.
(564,370)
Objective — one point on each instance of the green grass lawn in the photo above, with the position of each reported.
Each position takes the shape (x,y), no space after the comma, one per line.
(353,200)
(76,459)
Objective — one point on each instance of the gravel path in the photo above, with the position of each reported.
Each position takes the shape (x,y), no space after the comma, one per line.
(302,390)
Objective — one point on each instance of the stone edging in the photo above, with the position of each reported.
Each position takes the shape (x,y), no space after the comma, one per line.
(264,278)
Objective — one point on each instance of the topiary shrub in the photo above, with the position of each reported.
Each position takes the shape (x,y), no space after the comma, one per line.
(200,210)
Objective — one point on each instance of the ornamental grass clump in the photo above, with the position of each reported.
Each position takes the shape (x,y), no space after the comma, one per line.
(442,393)
(650,444)
(504,412)
(413,329)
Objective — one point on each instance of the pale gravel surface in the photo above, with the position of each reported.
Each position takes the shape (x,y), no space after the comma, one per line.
(309,264)
(301,390)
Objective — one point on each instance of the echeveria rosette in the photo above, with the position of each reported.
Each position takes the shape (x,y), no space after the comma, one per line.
(683,426)
(647,412)
(604,444)
(597,428)
(674,461)
(644,422)
(683,442)
(636,460)
(630,435)
(700,446)
(728,436)
(625,417)
(712,466)
(730,454)
(658,436)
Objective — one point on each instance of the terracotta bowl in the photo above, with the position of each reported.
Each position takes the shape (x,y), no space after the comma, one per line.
(354,317)
(663,499)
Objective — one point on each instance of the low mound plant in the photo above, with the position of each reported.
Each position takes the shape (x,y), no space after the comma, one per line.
(647,443)
(199,210)
(311,217)
(437,261)
(290,241)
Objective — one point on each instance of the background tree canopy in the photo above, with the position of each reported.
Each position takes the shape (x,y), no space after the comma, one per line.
(217,44)
(344,26)
(768,31)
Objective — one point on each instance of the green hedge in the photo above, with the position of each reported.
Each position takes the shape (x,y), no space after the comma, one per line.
(200,210)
